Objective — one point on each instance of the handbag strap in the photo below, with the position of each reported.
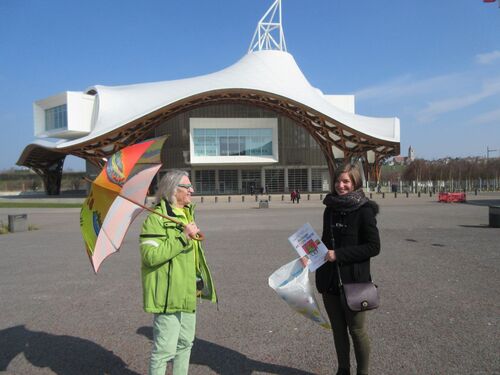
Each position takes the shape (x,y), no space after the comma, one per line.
(336,261)
(338,273)
(333,246)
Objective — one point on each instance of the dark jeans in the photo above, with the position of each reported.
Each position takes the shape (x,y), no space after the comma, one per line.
(341,321)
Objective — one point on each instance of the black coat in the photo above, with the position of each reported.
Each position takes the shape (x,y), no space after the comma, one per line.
(356,241)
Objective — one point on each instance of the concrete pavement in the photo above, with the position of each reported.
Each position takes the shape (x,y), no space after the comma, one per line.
(438,274)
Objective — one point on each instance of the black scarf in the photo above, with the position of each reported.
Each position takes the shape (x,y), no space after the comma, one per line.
(346,203)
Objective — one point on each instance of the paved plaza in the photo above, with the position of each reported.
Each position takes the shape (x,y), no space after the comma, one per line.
(438,273)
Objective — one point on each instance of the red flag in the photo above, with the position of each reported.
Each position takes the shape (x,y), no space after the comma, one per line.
(489,1)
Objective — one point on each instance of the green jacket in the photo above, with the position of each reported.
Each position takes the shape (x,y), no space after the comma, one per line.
(169,266)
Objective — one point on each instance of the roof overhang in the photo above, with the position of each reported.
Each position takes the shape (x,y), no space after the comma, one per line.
(272,79)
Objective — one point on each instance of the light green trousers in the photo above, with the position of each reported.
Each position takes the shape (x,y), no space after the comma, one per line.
(173,339)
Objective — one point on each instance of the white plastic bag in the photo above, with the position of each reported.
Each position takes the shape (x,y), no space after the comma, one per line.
(291,282)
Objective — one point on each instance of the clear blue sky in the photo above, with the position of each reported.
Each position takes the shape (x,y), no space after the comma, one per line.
(435,64)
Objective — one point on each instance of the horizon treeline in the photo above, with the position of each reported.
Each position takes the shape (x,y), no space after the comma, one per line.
(448,174)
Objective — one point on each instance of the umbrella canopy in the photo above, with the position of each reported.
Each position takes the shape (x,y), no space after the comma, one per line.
(117,196)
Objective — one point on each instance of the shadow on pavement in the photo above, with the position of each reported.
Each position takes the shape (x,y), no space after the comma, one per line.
(225,361)
(64,355)
(475,226)
(484,202)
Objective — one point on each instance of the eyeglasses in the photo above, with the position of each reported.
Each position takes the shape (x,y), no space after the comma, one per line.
(185,186)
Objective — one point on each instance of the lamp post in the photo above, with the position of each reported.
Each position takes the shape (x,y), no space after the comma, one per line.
(488,150)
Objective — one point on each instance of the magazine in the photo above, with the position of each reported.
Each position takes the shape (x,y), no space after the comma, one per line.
(307,243)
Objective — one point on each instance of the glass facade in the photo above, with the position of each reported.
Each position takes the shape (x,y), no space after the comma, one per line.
(275,180)
(233,142)
(204,182)
(320,179)
(56,117)
(228,181)
(250,181)
(301,164)
(297,179)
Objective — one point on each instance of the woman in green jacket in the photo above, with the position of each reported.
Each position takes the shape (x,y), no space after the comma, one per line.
(174,272)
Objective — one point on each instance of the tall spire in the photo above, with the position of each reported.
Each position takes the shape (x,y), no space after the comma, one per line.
(269,25)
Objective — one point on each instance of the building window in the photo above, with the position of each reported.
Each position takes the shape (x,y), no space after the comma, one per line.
(233,142)
(250,181)
(320,179)
(205,182)
(297,179)
(275,181)
(228,181)
(56,117)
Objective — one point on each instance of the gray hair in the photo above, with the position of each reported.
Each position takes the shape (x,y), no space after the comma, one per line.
(168,185)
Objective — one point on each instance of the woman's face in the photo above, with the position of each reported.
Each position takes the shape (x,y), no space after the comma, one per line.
(184,191)
(344,184)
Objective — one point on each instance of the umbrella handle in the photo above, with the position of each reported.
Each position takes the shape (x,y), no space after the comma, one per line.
(199,236)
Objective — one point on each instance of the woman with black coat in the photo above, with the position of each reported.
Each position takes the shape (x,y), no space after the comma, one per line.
(351,235)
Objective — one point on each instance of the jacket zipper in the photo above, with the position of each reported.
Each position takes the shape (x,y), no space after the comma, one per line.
(168,286)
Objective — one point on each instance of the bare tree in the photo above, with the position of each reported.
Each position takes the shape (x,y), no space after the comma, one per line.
(452,174)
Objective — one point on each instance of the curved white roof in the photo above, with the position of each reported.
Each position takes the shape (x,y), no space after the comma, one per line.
(274,72)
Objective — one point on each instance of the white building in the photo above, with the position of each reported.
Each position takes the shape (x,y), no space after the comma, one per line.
(256,124)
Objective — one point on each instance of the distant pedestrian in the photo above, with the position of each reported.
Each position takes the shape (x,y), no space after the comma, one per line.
(297,195)
(293,196)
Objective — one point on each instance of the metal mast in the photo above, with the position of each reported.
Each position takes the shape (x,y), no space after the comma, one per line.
(269,25)
(488,150)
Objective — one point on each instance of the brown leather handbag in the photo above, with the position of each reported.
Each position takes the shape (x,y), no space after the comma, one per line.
(358,296)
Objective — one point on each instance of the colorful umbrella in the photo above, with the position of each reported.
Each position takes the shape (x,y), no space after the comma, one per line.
(117,196)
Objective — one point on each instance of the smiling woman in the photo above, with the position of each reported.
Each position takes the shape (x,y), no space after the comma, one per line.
(183,192)
(351,235)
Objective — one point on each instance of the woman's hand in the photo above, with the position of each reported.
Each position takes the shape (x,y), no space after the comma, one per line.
(191,229)
(304,260)
(330,256)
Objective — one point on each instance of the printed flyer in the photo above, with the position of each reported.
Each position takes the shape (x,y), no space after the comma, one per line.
(306,242)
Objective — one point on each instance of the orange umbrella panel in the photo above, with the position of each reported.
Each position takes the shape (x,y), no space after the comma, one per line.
(134,164)
(93,212)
